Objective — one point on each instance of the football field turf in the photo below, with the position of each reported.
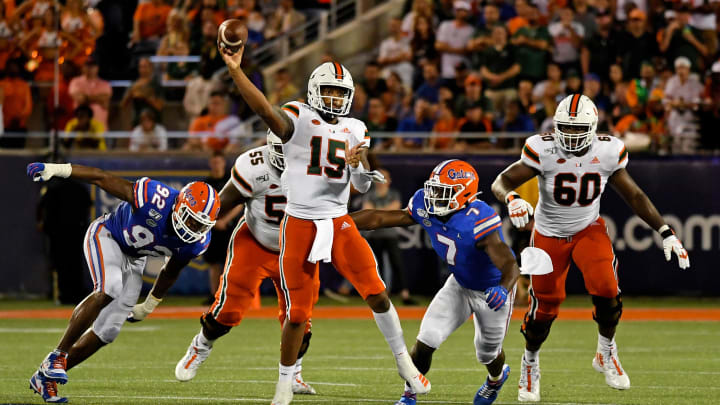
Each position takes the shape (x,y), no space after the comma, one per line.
(669,362)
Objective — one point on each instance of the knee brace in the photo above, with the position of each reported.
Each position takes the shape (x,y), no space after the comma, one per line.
(535,331)
(305,344)
(607,311)
(212,329)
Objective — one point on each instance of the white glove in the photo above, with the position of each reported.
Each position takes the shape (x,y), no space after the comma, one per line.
(519,210)
(38,171)
(376,176)
(140,311)
(672,244)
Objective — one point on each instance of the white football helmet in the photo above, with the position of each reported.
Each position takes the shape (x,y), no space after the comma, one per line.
(330,74)
(275,151)
(575,122)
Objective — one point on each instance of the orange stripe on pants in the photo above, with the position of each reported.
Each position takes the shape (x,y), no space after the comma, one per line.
(249,264)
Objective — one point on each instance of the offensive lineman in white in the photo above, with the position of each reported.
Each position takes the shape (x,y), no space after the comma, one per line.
(317,140)
(574,164)
(252,257)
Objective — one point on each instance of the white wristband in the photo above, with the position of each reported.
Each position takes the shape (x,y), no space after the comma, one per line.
(663,228)
(151,303)
(59,170)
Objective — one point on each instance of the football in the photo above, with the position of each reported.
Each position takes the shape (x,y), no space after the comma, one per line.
(232,35)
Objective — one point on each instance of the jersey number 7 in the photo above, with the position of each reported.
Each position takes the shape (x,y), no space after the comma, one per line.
(452,249)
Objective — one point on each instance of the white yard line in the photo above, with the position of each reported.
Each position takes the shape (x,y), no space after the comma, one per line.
(61,330)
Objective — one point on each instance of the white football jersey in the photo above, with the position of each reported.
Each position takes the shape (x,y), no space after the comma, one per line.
(570,186)
(260,183)
(316,178)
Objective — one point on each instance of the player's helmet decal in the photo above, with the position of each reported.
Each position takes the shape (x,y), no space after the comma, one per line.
(575,122)
(452,184)
(275,151)
(330,74)
(195,211)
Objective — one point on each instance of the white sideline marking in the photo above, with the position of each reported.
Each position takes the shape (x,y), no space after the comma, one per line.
(60,330)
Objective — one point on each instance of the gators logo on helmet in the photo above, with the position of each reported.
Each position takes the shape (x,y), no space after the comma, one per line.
(452,184)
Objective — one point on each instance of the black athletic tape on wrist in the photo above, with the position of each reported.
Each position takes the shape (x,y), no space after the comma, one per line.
(667,233)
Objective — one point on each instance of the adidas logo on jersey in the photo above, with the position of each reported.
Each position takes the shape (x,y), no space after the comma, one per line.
(595,160)
(344,225)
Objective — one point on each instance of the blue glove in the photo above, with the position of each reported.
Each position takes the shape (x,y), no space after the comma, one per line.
(496,297)
(35,170)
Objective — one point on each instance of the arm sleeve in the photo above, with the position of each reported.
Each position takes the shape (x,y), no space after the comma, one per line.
(359,180)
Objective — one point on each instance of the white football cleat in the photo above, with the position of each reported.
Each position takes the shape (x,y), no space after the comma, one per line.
(196,354)
(410,373)
(283,393)
(608,363)
(299,386)
(529,385)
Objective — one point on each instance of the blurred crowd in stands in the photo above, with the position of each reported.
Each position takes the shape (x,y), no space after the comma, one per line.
(447,67)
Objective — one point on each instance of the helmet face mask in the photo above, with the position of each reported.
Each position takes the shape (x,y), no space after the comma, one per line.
(195,211)
(452,184)
(573,138)
(331,89)
(275,151)
(575,123)
(334,99)
(441,199)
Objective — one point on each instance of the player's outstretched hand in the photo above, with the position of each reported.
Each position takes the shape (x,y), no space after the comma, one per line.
(496,297)
(141,311)
(38,171)
(232,59)
(673,244)
(519,211)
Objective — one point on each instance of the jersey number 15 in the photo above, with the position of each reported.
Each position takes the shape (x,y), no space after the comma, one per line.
(333,146)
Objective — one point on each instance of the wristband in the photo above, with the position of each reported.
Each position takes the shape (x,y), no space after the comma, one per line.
(511,196)
(666,231)
(59,170)
(151,302)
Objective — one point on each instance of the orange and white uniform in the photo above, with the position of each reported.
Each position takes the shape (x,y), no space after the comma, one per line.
(567,218)
(316,176)
(317,181)
(253,249)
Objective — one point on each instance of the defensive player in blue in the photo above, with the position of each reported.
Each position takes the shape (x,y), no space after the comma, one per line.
(466,233)
(153,220)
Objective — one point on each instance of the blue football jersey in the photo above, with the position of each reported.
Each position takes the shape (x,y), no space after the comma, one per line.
(454,240)
(144,228)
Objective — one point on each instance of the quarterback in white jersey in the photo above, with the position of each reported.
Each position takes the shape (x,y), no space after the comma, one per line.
(324,152)
(573,165)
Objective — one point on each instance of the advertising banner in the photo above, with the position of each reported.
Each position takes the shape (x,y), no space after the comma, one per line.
(684,190)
